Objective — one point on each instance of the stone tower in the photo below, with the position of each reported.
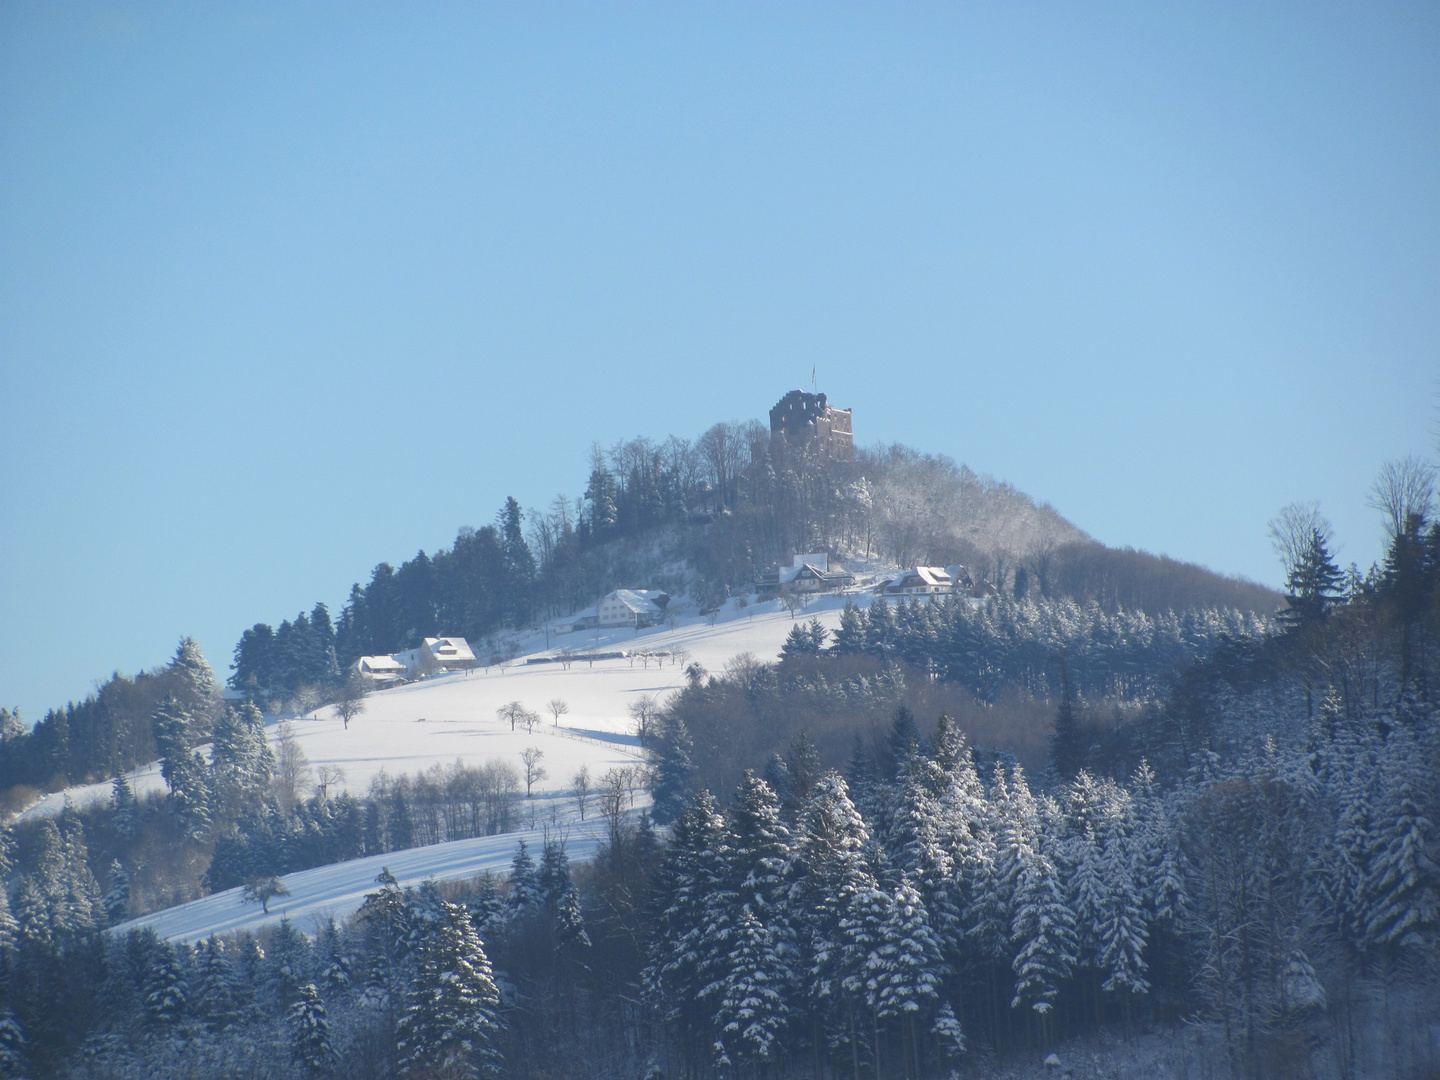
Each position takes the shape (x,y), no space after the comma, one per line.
(804,418)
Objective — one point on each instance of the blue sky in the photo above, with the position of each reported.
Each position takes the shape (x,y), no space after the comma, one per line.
(288,290)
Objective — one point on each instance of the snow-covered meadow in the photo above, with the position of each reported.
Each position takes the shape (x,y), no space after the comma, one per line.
(454,717)
(437,721)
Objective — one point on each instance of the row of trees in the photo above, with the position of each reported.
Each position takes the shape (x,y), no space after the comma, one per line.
(112,730)
(1035,644)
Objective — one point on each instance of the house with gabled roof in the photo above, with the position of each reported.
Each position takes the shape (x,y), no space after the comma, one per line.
(808,572)
(920,581)
(632,607)
(436,655)
(380,671)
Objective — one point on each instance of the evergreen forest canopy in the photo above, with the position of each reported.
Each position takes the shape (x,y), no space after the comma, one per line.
(1232,824)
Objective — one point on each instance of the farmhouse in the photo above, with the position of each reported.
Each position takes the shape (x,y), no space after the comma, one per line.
(921,581)
(436,655)
(632,607)
(811,572)
(380,671)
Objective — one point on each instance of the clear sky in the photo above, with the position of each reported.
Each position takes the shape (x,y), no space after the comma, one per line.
(288,289)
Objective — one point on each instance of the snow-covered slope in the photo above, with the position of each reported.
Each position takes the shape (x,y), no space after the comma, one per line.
(339,889)
(437,721)
(452,717)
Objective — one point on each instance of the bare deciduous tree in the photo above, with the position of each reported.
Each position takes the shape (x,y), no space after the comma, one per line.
(1293,531)
(292,768)
(351,702)
(262,890)
(581,782)
(1404,489)
(534,771)
(614,786)
(516,714)
(325,777)
(643,711)
(558,708)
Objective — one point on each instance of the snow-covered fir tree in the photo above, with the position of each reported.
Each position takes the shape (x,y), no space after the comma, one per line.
(14,1059)
(451,1022)
(310,1047)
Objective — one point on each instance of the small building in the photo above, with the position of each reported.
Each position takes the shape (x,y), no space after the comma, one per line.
(437,655)
(632,607)
(587,619)
(380,671)
(810,572)
(920,581)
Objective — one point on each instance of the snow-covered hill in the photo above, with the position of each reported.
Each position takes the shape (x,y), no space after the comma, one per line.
(452,717)
(437,721)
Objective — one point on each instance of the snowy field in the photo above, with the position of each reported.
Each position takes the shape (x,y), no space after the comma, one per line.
(339,889)
(435,722)
(413,728)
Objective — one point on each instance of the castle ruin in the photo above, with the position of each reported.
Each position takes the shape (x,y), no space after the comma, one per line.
(808,419)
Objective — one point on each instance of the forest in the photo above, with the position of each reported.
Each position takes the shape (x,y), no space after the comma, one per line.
(1216,826)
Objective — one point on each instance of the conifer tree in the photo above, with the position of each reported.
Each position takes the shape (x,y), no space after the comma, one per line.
(1043,932)
(33,916)
(1404,879)
(122,806)
(333,961)
(309,1025)
(572,942)
(850,637)
(180,766)
(117,898)
(194,687)
(14,1059)
(213,998)
(166,994)
(673,770)
(241,762)
(799,642)
(1120,928)
(386,921)
(1067,748)
(287,966)
(525,897)
(759,852)
(754,998)
(9,928)
(80,908)
(676,977)
(906,968)
(451,1023)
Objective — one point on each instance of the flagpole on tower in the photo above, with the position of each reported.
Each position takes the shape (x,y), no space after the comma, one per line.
(812,376)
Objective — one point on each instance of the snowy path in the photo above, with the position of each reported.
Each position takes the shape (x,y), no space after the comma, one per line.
(339,889)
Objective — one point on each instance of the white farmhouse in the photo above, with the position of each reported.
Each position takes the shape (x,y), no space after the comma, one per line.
(921,581)
(436,655)
(380,671)
(808,572)
(633,607)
